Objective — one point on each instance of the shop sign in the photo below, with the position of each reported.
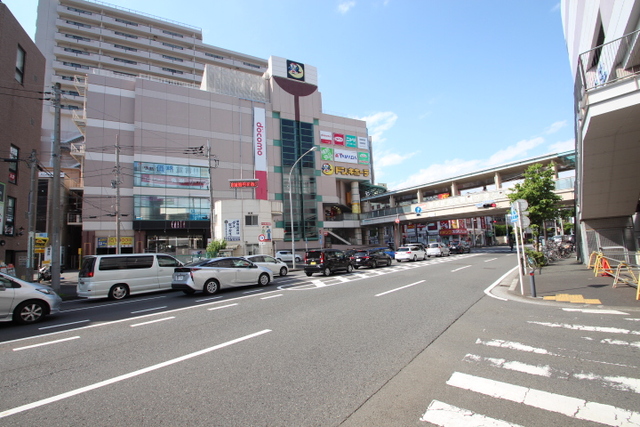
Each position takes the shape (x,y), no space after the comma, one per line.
(340,170)
(338,139)
(243,183)
(452,231)
(326,137)
(363,158)
(326,154)
(363,143)
(295,70)
(345,156)
(232,230)
(327,169)
(351,141)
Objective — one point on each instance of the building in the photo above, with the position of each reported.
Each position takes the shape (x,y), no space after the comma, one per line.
(604,55)
(22,77)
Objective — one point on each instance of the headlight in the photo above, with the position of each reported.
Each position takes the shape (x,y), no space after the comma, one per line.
(46,291)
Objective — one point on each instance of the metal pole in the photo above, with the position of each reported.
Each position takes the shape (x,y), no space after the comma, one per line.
(293,237)
(117,185)
(31,215)
(55,195)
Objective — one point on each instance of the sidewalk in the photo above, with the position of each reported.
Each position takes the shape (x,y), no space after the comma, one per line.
(569,283)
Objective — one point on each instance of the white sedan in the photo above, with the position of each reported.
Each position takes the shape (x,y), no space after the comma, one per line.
(210,275)
(438,249)
(275,265)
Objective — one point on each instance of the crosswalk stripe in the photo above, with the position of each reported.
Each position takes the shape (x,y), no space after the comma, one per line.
(570,406)
(446,415)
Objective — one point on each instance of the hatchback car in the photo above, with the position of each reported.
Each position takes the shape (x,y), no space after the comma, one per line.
(326,261)
(411,253)
(459,247)
(286,256)
(25,302)
(438,249)
(277,267)
(210,275)
(371,258)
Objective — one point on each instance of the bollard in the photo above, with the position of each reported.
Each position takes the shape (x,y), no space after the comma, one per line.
(532,282)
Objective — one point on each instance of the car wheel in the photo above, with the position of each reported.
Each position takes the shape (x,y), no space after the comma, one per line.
(188,291)
(298,259)
(263,280)
(356,267)
(283,271)
(415,258)
(375,264)
(29,312)
(308,273)
(326,271)
(424,257)
(349,268)
(118,292)
(211,287)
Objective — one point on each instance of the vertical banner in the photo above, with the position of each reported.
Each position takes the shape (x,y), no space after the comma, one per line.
(260,153)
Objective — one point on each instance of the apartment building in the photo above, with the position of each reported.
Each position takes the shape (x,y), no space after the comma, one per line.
(22,82)
(603,43)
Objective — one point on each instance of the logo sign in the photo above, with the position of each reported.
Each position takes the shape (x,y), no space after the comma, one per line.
(363,143)
(40,242)
(363,158)
(341,170)
(326,137)
(260,152)
(345,156)
(418,209)
(350,141)
(327,169)
(326,153)
(338,139)
(295,70)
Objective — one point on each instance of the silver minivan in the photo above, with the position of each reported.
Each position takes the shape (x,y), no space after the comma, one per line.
(118,276)
(26,302)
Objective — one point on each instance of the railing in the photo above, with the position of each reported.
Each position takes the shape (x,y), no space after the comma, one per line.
(610,62)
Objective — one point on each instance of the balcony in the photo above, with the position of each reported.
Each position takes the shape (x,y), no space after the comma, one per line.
(74,218)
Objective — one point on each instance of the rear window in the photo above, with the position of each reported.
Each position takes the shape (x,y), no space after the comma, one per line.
(314,254)
(433,245)
(403,250)
(87,267)
(361,253)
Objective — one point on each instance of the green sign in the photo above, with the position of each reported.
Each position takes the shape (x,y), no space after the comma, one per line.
(351,141)
(363,158)
(327,154)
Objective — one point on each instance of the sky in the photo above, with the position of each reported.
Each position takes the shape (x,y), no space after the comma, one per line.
(446,87)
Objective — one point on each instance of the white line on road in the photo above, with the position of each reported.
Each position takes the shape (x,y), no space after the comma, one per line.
(497,282)
(132,301)
(400,288)
(208,299)
(594,311)
(460,268)
(272,296)
(64,324)
(45,343)
(445,415)
(586,328)
(149,309)
(490,259)
(570,406)
(222,306)
(152,321)
(125,376)
(253,291)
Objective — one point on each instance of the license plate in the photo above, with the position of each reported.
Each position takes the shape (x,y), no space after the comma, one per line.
(180,276)
(312,263)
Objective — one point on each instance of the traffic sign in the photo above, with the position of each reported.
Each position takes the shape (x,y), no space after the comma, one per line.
(262,238)
(40,242)
(418,209)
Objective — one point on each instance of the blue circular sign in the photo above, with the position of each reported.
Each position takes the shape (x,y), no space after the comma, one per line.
(418,209)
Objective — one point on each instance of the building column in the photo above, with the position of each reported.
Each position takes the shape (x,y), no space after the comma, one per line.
(497,180)
(555,171)
(454,189)
(355,198)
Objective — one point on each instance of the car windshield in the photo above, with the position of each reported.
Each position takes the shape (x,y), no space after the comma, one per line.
(361,253)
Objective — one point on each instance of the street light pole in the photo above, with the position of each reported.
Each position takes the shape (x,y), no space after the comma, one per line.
(293,237)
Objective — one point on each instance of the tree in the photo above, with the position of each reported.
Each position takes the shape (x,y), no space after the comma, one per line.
(215,246)
(538,190)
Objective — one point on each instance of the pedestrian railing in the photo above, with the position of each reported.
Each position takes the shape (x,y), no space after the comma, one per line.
(622,272)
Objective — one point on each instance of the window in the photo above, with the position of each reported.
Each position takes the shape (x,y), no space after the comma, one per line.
(213,55)
(171,33)
(171,70)
(76,51)
(75,65)
(80,38)
(161,208)
(20,61)
(248,64)
(126,61)
(251,220)
(73,9)
(78,24)
(124,21)
(14,153)
(173,46)
(172,58)
(120,33)
(9,216)
(130,49)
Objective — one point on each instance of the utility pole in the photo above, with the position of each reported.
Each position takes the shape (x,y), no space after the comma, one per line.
(55,195)
(213,164)
(31,214)
(116,184)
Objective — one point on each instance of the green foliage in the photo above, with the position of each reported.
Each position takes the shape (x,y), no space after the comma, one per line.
(536,256)
(215,246)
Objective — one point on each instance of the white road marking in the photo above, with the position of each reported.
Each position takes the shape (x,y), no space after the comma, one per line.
(64,324)
(148,309)
(208,299)
(512,345)
(152,321)
(272,296)
(496,283)
(45,343)
(460,268)
(490,259)
(119,378)
(594,311)
(621,342)
(570,406)
(132,301)
(253,291)
(400,288)
(222,306)
(607,330)
(511,365)
(445,415)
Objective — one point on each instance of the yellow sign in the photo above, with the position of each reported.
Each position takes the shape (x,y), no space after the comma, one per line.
(124,241)
(41,242)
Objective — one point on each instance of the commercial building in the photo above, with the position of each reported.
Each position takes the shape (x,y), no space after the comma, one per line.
(22,77)
(603,43)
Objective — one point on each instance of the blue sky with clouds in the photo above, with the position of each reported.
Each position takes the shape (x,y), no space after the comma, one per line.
(446,87)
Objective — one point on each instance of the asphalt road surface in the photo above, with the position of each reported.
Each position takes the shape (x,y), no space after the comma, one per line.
(409,344)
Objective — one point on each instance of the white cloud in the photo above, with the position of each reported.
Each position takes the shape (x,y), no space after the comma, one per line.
(562,146)
(378,123)
(345,6)
(555,127)
(390,159)
(514,151)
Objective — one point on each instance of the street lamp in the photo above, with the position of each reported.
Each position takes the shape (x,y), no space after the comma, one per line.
(293,237)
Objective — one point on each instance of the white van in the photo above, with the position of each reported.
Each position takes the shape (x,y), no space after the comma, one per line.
(117,276)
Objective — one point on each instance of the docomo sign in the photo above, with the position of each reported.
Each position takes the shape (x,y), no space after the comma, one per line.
(259,139)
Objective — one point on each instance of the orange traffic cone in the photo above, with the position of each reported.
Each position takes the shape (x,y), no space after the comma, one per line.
(606,268)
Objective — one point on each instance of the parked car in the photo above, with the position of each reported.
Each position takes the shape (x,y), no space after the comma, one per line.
(26,302)
(117,276)
(326,261)
(286,256)
(210,275)
(371,258)
(459,247)
(276,266)
(412,252)
(438,249)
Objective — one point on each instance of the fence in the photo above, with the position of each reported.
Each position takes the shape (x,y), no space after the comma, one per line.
(622,272)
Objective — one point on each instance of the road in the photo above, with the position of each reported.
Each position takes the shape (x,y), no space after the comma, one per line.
(400,345)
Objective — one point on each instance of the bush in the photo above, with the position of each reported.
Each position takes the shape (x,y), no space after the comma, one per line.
(537,257)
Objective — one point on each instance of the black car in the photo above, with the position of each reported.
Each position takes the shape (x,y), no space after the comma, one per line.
(326,261)
(371,258)
(459,247)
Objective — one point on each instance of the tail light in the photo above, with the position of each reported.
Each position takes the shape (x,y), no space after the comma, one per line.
(322,258)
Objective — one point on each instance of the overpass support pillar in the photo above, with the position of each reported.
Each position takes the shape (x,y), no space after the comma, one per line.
(454,189)
(497,180)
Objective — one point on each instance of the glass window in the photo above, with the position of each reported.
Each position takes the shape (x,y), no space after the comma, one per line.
(20,61)
(9,216)
(251,220)
(14,153)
